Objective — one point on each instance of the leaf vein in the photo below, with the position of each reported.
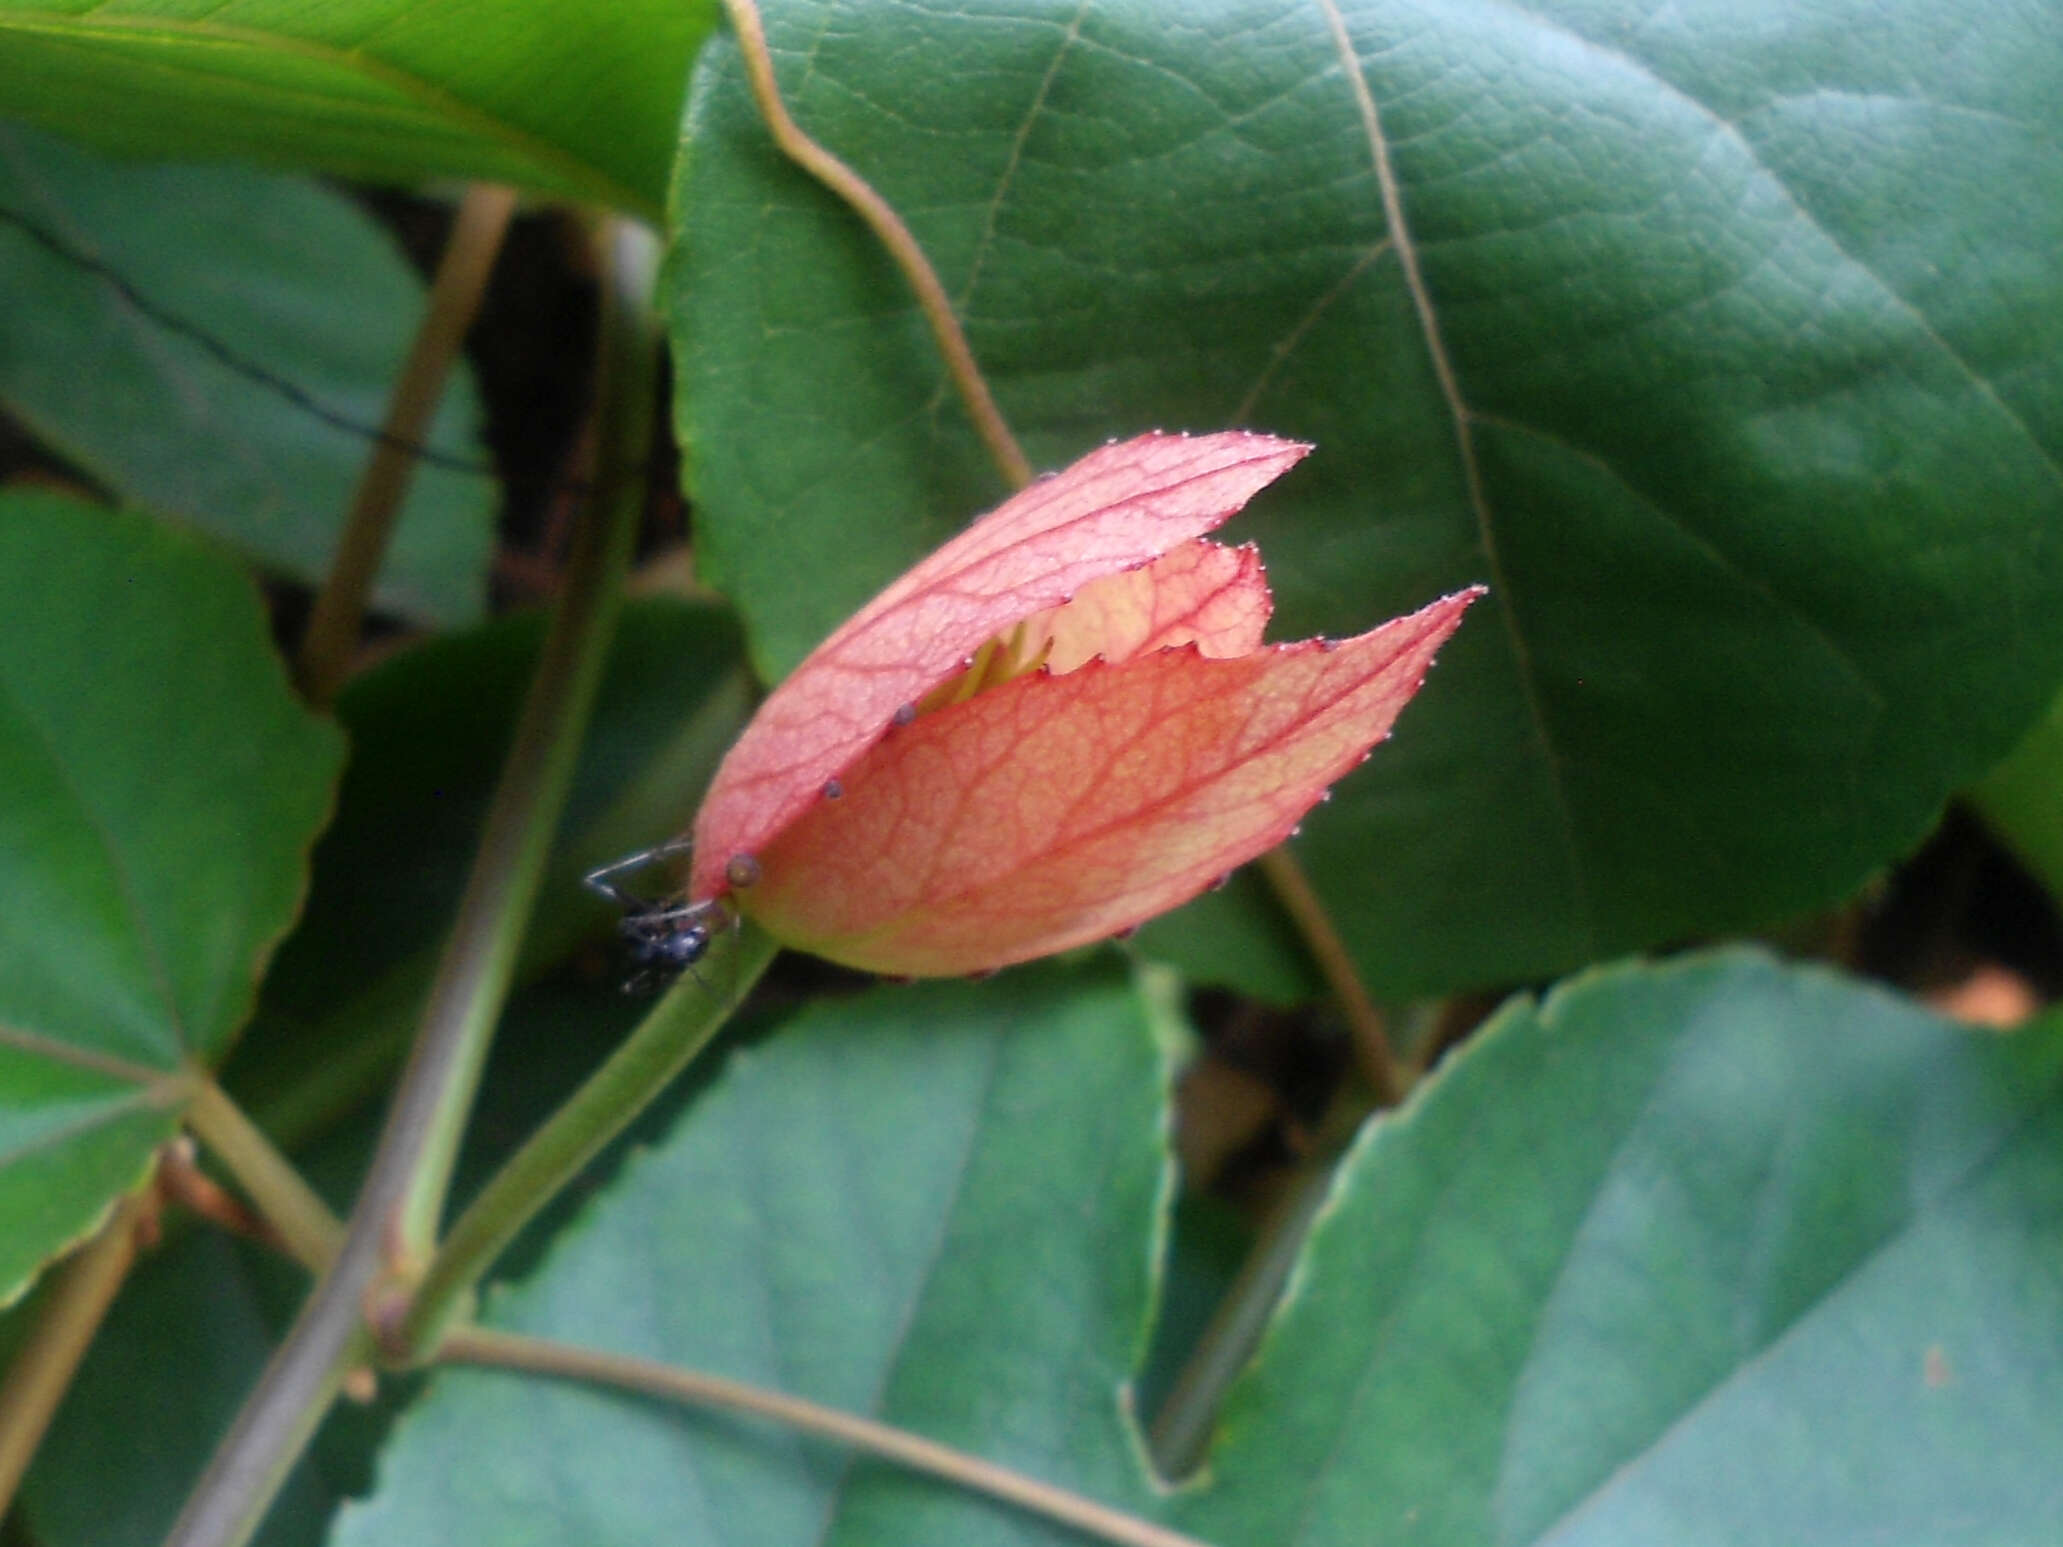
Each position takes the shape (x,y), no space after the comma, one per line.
(1471,469)
(985,243)
(921,1282)
(99,1115)
(1287,345)
(124,883)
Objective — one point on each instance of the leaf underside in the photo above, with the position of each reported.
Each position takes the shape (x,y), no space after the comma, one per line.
(299,285)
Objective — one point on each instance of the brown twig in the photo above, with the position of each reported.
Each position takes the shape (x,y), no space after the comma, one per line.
(182,1181)
(540,1356)
(76,1304)
(285,1203)
(325,655)
(893,235)
(1307,911)
(395,1216)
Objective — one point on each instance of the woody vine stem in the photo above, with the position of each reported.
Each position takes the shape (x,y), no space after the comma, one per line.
(393,1221)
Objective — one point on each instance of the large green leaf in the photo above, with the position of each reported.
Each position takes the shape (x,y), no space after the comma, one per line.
(1712,1253)
(1686,337)
(557,95)
(291,278)
(878,1182)
(161,789)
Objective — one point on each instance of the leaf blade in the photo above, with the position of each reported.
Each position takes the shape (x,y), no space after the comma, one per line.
(545,95)
(123,370)
(955,1113)
(156,860)
(1618,1271)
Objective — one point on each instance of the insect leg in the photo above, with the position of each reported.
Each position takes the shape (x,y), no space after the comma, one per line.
(601,880)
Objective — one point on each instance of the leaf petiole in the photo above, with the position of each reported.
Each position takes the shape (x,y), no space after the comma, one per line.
(664,1043)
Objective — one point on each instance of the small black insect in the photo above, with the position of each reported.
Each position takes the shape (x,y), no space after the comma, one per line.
(665,936)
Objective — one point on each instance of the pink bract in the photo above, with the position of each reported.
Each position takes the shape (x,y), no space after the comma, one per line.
(1102,733)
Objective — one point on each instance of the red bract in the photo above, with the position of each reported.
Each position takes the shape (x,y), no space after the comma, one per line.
(1060,724)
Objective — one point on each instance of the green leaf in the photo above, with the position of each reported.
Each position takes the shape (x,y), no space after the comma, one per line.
(296,282)
(1750,416)
(1711,1253)
(162,789)
(1714,1253)
(872,1189)
(556,95)
(2022,799)
(195,1323)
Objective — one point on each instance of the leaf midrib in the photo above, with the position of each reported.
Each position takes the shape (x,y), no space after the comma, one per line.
(1458,411)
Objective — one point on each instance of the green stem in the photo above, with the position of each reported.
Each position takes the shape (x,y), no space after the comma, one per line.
(367,1034)
(665,1042)
(437,1090)
(284,1200)
(398,1208)
(1181,1431)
